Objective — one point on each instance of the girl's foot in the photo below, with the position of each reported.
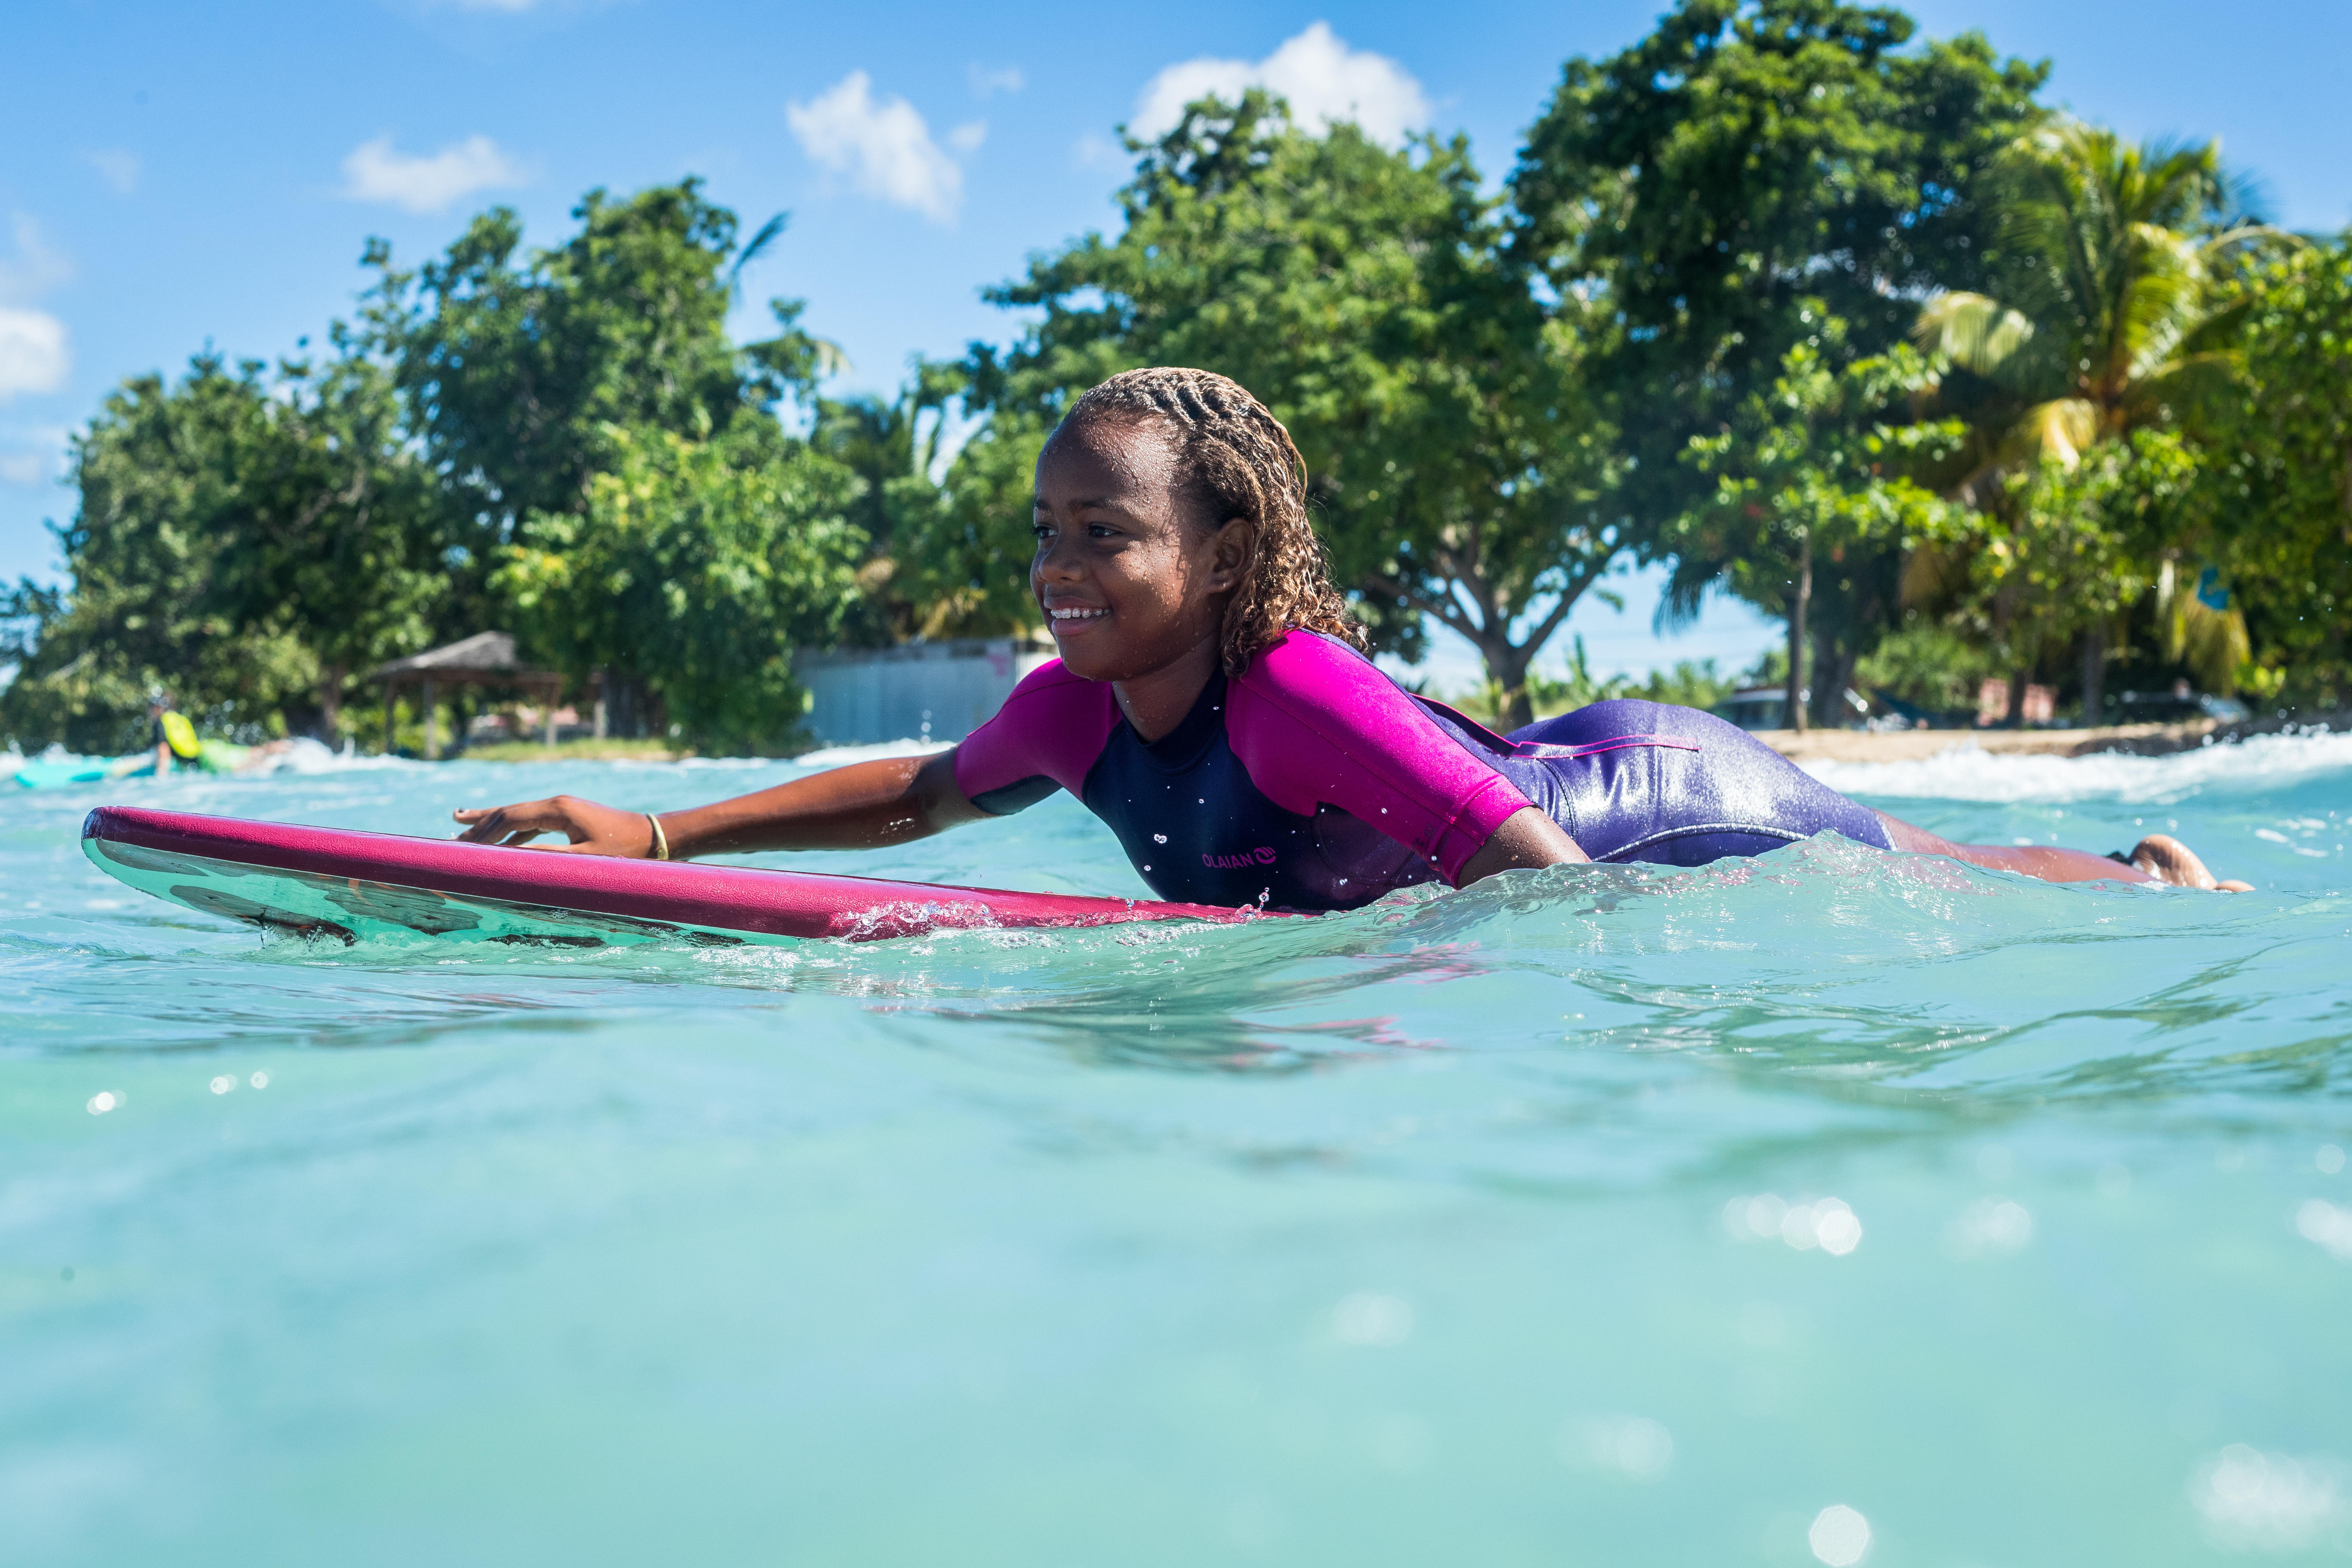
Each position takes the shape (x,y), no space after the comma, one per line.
(2170,861)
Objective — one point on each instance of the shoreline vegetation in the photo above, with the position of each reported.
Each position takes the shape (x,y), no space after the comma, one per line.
(1840,321)
(581,751)
(1810,745)
(2116,740)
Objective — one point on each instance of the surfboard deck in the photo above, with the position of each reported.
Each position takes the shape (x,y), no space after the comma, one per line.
(333,883)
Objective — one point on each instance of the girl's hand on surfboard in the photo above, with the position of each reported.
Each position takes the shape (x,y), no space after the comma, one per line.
(593,829)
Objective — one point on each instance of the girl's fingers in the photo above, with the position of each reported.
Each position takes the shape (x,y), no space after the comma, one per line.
(485,824)
(589,827)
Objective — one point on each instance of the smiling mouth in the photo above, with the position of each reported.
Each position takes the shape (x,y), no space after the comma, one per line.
(1073,618)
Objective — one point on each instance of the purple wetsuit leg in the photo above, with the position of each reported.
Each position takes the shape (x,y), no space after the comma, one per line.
(1690,788)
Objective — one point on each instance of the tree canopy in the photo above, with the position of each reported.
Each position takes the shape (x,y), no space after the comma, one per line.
(1814,311)
(246,541)
(1747,170)
(1371,298)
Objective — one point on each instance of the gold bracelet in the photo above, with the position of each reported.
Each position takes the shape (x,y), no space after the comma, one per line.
(661,839)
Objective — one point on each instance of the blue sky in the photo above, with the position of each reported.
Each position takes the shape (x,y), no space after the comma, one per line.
(175,176)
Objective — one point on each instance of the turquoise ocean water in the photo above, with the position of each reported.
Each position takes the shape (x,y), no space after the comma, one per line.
(1826,1207)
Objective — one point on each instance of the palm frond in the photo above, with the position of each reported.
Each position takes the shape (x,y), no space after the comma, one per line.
(766,236)
(827,357)
(2212,643)
(1975,333)
(2185,392)
(2063,427)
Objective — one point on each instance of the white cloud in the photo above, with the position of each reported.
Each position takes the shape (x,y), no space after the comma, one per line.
(885,147)
(1093,149)
(375,172)
(38,464)
(33,356)
(985,81)
(37,267)
(117,167)
(966,139)
(1324,79)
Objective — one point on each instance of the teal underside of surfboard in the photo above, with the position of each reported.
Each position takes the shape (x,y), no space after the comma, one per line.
(347,910)
(80,770)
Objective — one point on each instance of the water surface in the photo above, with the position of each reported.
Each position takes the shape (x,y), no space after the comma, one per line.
(1597,1215)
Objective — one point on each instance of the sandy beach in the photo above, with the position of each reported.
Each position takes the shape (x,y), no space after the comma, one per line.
(1917,745)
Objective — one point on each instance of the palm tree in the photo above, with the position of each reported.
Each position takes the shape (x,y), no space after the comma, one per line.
(2113,317)
(898,448)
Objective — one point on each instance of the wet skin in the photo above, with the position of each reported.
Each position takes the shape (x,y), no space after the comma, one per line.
(1135,593)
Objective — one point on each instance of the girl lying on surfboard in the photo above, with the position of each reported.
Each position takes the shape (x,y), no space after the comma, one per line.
(1213,705)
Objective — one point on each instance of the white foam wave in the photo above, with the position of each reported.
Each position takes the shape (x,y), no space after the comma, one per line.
(2263,763)
(305,755)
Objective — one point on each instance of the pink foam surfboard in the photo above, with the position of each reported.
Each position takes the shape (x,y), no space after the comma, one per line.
(331,882)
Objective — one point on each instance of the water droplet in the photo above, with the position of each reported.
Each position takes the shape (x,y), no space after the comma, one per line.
(1840,1535)
(1368,1318)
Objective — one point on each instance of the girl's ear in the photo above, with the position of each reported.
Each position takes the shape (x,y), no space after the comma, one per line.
(1230,553)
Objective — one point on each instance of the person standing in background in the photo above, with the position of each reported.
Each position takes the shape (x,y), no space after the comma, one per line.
(176,744)
(170,735)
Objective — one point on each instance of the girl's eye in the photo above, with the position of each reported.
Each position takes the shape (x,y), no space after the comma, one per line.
(1042,530)
(1101,530)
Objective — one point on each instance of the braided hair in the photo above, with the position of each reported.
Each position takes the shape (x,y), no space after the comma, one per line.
(1234,458)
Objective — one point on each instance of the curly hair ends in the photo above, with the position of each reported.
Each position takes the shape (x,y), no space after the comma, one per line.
(1234,458)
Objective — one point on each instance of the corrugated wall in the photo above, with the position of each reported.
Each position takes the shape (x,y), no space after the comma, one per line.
(937,691)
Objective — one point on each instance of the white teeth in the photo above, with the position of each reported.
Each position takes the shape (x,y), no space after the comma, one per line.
(1076,615)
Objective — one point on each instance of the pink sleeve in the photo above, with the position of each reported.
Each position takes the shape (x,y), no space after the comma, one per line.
(1049,732)
(1316,721)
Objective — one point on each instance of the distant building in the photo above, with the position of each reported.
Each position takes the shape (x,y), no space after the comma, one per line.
(486,658)
(1755,707)
(1992,703)
(917,691)
(1767,708)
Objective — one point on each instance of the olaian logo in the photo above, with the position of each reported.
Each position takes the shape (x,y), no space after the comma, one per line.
(1261,855)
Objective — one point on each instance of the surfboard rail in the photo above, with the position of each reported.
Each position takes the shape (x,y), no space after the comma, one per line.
(374,868)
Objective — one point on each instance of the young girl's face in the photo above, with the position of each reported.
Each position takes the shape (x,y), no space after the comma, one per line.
(1129,585)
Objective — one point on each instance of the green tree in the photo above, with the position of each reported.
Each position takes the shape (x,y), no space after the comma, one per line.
(516,366)
(2070,547)
(700,564)
(2112,313)
(346,553)
(1371,299)
(243,539)
(572,416)
(1815,479)
(929,571)
(1749,170)
(2277,478)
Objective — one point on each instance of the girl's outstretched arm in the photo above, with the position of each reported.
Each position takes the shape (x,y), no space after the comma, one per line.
(2157,859)
(862,806)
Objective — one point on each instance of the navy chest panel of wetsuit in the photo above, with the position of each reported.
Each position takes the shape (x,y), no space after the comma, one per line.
(1199,831)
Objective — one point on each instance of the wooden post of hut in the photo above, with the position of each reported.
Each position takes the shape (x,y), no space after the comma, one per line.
(486,658)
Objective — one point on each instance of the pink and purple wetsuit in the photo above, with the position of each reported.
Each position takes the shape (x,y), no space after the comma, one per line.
(1315,781)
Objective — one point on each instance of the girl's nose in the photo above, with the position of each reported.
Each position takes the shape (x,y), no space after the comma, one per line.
(1059,559)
